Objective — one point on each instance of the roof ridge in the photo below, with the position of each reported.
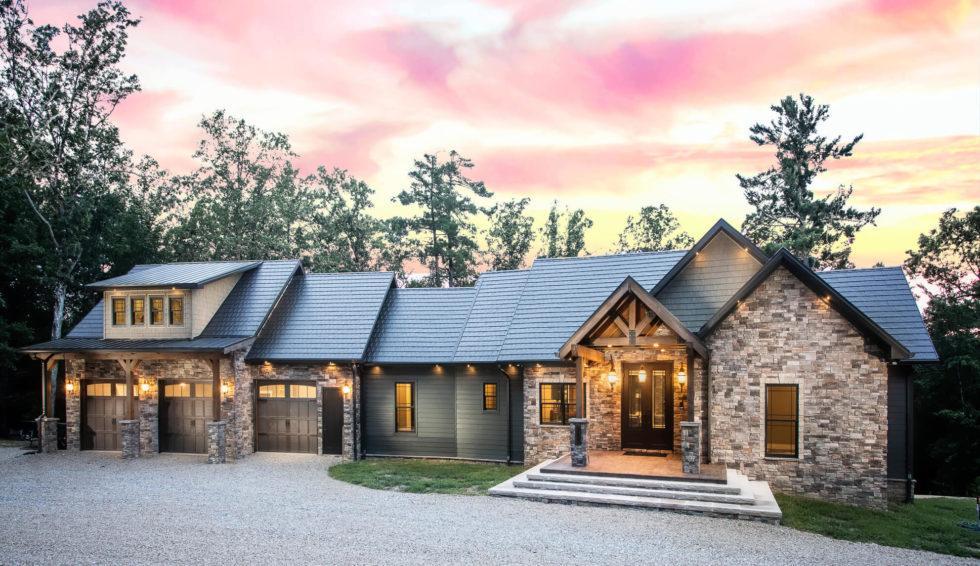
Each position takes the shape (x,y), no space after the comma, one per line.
(339,273)
(852,269)
(603,256)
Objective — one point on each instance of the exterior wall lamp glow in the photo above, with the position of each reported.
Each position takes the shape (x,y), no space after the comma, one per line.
(69,386)
(682,380)
(224,388)
(612,377)
(346,390)
(642,375)
(144,387)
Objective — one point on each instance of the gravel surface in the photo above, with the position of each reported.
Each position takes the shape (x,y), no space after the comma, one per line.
(272,508)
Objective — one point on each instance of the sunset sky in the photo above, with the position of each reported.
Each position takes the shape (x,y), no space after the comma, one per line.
(607,105)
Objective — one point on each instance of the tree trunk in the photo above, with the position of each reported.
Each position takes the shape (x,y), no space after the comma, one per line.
(57,320)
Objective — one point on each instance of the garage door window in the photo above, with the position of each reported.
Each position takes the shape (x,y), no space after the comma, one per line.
(302,391)
(177,390)
(272,391)
(98,390)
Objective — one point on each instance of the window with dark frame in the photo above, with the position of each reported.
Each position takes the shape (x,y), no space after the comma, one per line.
(405,407)
(137,308)
(782,420)
(489,396)
(176,311)
(156,311)
(556,403)
(118,312)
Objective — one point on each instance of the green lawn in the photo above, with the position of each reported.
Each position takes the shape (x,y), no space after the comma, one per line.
(929,524)
(424,476)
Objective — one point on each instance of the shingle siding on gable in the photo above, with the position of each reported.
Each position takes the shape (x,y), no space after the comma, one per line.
(710,279)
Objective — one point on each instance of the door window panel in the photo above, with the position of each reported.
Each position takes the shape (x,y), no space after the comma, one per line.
(659,399)
(635,409)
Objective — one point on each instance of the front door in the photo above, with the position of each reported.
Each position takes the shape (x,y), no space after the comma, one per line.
(648,400)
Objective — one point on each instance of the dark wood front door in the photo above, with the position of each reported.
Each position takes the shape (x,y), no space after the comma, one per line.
(333,420)
(185,410)
(648,401)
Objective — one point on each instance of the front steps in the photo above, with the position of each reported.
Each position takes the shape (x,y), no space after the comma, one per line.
(737,498)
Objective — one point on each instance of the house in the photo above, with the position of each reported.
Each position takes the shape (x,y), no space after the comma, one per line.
(719,353)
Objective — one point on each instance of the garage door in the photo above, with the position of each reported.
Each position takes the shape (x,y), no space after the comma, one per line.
(285,419)
(103,408)
(185,409)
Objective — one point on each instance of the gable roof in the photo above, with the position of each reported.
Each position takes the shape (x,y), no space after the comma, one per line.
(189,275)
(629,286)
(497,296)
(561,293)
(421,325)
(324,317)
(884,295)
(783,258)
(251,301)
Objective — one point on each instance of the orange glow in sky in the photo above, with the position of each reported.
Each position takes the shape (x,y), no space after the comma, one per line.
(607,105)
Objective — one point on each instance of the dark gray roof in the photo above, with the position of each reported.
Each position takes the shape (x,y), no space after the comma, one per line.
(91,325)
(421,325)
(251,301)
(183,275)
(497,296)
(322,317)
(128,345)
(560,294)
(884,296)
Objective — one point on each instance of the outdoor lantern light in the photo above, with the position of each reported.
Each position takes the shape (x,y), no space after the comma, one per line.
(346,389)
(681,377)
(224,388)
(612,377)
(145,386)
(69,386)
(642,375)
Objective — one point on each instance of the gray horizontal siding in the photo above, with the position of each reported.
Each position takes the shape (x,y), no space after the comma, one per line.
(480,435)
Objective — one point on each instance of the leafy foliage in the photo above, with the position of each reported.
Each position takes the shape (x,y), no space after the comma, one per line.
(564,232)
(656,229)
(442,234)
(510,235)
(344,236)
(787,212)
(947,414)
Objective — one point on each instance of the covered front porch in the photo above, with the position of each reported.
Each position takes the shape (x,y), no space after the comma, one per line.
(635,465)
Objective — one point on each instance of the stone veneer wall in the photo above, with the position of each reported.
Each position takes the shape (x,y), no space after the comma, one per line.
(325,375)
(604,400)
(784,333)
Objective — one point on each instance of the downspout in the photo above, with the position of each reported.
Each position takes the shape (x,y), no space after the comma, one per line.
(355,412)
(909,437)
(510,422)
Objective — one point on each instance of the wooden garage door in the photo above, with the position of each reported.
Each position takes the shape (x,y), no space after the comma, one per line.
(285,417)
(185,409)
(103,408)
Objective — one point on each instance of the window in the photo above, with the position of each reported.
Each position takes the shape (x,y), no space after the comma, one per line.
(557,403)
(177,390)
(137,307)
(782,420)
(272,391)
(176,311)
(156,311)
(302,391)
(121,390)
(98,390)
(405,407)
(489,396)
(118,312)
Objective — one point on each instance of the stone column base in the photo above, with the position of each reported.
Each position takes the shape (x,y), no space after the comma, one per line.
(48,429)
(579,429)
(691,447)
(216,442)
(130,439)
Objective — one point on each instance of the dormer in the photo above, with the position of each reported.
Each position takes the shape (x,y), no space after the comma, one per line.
(175,300)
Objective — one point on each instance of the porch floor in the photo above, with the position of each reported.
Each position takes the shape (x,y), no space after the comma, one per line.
(615,463)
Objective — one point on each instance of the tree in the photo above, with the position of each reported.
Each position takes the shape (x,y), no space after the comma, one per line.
(442,233)
(564,232)
(656,229)
(787,212)
(344,236)
(246,200)
(59,88)
(510,235)
(947,414)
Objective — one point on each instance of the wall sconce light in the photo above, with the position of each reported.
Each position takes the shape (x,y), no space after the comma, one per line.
(224,388)
(682,381)
(612,377)
(642,375)
(681,377)
(69,386)
(144,387)
(346,390)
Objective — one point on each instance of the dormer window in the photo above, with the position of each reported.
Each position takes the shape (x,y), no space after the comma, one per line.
(176,311)
(118,312)
(137,307)
(156,311)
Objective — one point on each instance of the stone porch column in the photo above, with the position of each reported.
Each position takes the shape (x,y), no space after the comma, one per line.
(48,428)
(691,447)
(217,446)
(579,429)
(130,439)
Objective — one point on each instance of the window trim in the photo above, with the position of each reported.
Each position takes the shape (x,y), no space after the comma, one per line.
(796,423)
(563,403)
(149,311)
(495,396)
(170,311)
(112,311)
(132,310)
(411,407)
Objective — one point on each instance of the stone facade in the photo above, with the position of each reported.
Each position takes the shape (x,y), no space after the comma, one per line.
(130,435)
(49,434)
(217,444)
(691,447)
(785,333)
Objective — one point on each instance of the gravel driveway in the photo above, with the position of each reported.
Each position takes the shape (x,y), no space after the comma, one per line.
(271,508)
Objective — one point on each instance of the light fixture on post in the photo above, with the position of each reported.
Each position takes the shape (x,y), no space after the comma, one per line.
(642,375)
(682,381)
(612,377)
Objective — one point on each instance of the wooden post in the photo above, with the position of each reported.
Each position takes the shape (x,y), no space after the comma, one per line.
(690,384)
(130,400)
(579,388)
(215,389)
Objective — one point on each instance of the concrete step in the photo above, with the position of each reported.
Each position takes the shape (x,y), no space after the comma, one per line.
(689,495)
(701,487)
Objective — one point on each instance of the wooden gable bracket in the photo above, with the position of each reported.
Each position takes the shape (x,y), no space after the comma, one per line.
(630,286)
